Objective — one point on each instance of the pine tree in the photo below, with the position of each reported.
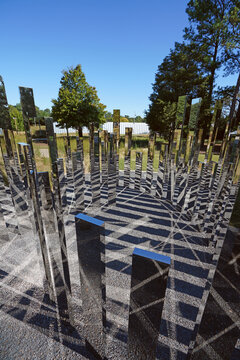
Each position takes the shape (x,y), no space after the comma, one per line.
(179,74)
(209,29)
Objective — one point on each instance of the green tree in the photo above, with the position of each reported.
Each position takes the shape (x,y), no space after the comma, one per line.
(212,41)
(160,116)
(139,119)
(108,116)
(77,104)
(178,75)
(43,113)
(193,116)
(209,34)
(123,119)
(16,117)
(231,104)
(231,39)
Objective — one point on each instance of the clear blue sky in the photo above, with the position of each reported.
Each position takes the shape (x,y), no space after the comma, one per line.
(118,43)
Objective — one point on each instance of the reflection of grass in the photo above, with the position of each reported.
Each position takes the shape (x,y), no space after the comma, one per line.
(43,162)
(139,143)
(37,152)
(215,157)
(19,137)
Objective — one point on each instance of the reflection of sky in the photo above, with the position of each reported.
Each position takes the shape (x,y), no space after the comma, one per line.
(90,219)
(152,255)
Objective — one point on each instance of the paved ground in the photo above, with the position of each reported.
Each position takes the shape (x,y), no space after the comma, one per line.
(29,327)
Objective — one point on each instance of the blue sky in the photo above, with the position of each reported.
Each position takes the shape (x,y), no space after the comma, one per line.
(118,43)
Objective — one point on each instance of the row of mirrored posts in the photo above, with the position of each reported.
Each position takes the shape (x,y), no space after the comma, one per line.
(202,192)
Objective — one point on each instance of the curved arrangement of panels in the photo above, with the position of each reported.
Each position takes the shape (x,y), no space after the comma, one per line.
(150,249)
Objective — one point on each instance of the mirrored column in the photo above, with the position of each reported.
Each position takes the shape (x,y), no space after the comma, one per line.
(95,172)
(63,184)
(148,287)
(64,288)
(78,181)
(127,159)
(34,191)
(46,201)
(116,132)
(91,254)
(3,220)
(104,157)
(112,182)
(160,175)
(151,148)
(138,170)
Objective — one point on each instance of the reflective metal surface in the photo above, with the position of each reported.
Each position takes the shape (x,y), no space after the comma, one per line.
(78,181)
(5,120)
(63,288)
(91,255)
(95,170)
(127,159)
(112,175)
(138,170)
(151,148)
(3,195)
(46,199)
(62,184)
(34,190)
(148,286)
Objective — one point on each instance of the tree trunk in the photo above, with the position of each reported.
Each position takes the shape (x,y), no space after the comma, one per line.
(68,138)
(80,134)
(207,118)
(213,70)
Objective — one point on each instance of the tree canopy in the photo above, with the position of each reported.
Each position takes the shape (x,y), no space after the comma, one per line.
(178,75)
(16,117)
(125,118)
(211,41)
(15,112)
(77,104)
(209,27)
(231,39)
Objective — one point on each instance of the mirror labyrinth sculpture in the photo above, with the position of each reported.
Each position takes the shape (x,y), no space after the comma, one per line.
(110,248)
